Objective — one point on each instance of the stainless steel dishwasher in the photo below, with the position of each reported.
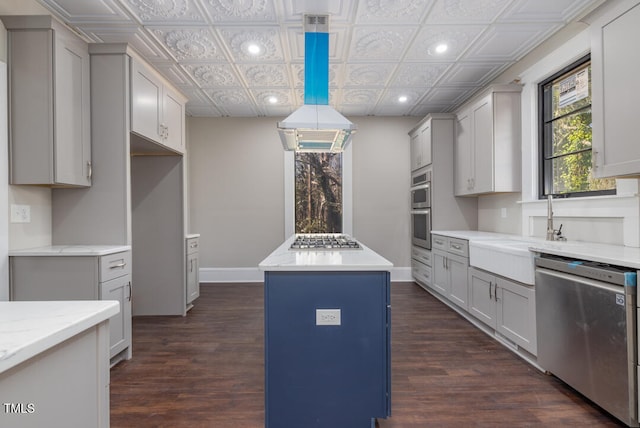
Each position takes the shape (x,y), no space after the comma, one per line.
(586,326)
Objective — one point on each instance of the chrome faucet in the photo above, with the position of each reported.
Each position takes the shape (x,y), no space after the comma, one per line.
(552,234)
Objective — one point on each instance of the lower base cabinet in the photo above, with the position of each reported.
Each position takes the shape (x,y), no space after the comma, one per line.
(63,277)
(504,305)
(327,349)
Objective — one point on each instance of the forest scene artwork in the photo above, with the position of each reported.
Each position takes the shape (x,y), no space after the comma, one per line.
(318,188)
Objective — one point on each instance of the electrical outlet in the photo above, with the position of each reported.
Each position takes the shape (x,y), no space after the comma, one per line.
(20,213)
(503,212)
(328,317)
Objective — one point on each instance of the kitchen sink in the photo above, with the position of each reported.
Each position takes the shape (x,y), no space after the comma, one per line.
(509,258)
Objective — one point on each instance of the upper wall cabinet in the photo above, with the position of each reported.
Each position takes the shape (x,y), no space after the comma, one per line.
(487,144)
(615,59)
(49,127)
(157,111)
(421,146)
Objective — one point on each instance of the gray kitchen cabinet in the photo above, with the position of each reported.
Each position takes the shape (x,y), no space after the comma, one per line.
(421,146)
(615,86)
(138,198)
(421,261)
(79,277)
(50,138)
(450,264)
(506,306)
(193,275)
(157,111)
(487,144)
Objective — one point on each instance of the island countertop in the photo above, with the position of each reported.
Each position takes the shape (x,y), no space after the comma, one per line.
(29,328)
(362,259)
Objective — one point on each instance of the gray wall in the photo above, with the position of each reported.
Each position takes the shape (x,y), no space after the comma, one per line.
(236,188)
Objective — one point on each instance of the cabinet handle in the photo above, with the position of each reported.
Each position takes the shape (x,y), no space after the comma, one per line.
(490,295)
(118,266)
(193,245)
(130,291)
(495,292)
(439,242)
(89,170)
(457,246)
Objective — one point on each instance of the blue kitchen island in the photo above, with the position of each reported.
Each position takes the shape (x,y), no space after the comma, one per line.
(327,336)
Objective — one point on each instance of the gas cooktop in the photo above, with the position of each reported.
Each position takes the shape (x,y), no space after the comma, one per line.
(324,242)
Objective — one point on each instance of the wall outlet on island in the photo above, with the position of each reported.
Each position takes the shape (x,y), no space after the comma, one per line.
(20,213)
(327,316)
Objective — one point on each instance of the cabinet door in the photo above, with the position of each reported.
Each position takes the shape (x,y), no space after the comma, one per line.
(146,102)
(193,278)
(482,125)
(463,155)
(516,313)
(440,273)
(415,150)
(120,324)
(615,86)
(458,280)
(72,153)
(425,144)
(482,304)
(173,120)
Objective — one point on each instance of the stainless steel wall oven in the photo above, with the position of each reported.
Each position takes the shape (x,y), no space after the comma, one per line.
(421,208)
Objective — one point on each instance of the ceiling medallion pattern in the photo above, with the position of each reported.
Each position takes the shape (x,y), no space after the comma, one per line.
(377,44)
(267,75)
(241,40)
(243,9)
(153,10)
(418,75)
(214,75)
(190,44)
(235,57)
(393,10)
(474,10)
(368,75)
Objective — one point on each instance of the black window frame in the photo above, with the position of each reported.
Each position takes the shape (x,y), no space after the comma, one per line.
(545,177)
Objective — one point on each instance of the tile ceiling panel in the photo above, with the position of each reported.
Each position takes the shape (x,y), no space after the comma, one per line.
(379,50)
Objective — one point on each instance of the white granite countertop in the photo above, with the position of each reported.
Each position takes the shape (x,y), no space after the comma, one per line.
(604,253)
(29,328)
(71,250)
(284,259)
(192,235)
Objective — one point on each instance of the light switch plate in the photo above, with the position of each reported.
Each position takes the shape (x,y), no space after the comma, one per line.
(20,213)
(328,317)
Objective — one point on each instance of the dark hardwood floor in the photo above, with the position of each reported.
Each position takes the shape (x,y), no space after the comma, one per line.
(206,370)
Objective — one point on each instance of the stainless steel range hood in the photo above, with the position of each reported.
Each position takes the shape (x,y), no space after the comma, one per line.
(316,126)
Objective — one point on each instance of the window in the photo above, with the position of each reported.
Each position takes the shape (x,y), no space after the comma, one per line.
(318,192)
(565,135)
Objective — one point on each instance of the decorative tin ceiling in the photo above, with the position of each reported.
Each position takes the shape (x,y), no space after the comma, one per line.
(246,57)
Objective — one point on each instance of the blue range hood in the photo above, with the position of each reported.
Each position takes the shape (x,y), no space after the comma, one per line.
(316,126)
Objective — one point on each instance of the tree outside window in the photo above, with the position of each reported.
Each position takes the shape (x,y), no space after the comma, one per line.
(565,100)
(318,192)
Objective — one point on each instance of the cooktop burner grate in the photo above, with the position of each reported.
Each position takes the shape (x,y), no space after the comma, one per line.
(324,242)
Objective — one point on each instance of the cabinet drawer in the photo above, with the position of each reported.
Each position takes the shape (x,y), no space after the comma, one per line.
(440,242)
(192,245)
(421,272)
(421,254)
(458,246)
(115,265)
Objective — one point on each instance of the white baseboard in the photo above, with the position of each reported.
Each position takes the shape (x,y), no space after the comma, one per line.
(222,275)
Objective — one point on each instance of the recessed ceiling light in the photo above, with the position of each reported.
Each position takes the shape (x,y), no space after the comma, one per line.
(272,99)
(253,49)
(441,48)
(403,98)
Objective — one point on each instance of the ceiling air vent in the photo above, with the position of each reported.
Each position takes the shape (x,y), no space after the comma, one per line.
(316,23)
